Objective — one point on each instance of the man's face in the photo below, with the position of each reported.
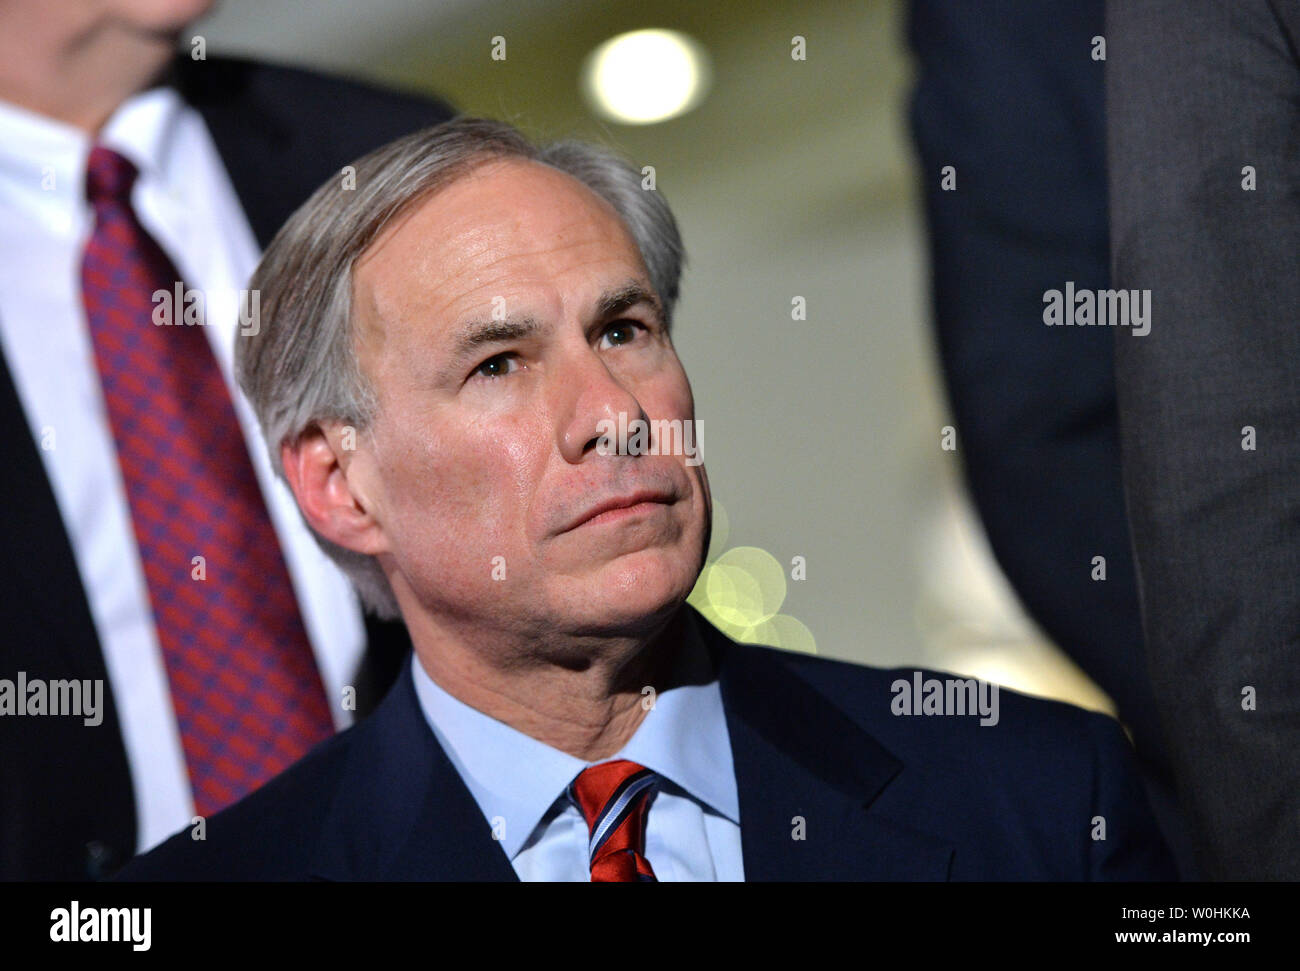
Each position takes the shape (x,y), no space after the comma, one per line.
(500,322)
(163,17)
(151,15)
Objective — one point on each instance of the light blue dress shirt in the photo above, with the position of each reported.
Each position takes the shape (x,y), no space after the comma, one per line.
(693,826)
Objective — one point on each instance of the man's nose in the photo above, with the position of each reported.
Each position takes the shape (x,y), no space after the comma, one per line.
(591,395)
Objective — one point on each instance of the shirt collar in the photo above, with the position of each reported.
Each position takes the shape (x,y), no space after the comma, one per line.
(516,778)
(43,160)
(144,129)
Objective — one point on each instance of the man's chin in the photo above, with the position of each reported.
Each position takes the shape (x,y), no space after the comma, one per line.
(630,597)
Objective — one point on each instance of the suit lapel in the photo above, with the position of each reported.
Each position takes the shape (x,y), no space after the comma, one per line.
(804,769)
(281,133)
(250,137)
(38,553)
(49,630)
(402,811)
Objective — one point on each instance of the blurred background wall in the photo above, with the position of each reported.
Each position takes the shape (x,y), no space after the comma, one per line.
(790,178)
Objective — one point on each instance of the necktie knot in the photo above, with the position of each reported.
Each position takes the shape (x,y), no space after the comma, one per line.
(612,797)
(109,176)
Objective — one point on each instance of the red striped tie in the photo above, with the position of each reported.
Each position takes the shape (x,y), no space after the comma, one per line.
(244,683)
(613,799)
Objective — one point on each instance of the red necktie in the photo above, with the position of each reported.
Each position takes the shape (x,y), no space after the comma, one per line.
(244,683)
(613,799)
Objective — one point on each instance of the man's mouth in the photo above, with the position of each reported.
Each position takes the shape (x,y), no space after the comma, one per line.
(642,503)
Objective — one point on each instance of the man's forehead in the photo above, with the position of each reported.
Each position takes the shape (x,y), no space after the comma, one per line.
(496,228)
(494,204)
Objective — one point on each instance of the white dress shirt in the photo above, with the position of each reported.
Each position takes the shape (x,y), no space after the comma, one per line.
(693,823)
(185,200)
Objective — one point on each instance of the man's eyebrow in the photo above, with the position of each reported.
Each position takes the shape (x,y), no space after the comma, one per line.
(480,332)
(624,298)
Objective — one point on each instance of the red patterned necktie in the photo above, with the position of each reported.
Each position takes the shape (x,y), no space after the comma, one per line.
(247,694)
(612,797)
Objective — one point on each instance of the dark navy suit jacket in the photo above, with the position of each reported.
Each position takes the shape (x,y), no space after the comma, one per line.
(881,796)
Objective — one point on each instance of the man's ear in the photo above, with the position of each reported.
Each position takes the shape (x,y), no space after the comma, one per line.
(325,478)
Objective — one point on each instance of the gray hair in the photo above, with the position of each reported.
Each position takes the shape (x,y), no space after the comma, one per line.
(300,369)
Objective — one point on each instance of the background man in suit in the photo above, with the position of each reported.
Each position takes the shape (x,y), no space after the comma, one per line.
(1010,94)
(444,352)
(1205,213)
(120,161)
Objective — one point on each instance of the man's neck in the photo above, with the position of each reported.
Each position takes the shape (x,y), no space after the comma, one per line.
(77,72)
(584,696)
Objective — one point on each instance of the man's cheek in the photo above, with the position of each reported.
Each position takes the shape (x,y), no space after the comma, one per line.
(467,509)
(671,398)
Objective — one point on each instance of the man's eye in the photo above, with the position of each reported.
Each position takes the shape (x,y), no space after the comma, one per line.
(622,332)
(495,367)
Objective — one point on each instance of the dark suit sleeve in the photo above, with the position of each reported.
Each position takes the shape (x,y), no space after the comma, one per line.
(1009,95)
(1132,847)
(1197,91)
